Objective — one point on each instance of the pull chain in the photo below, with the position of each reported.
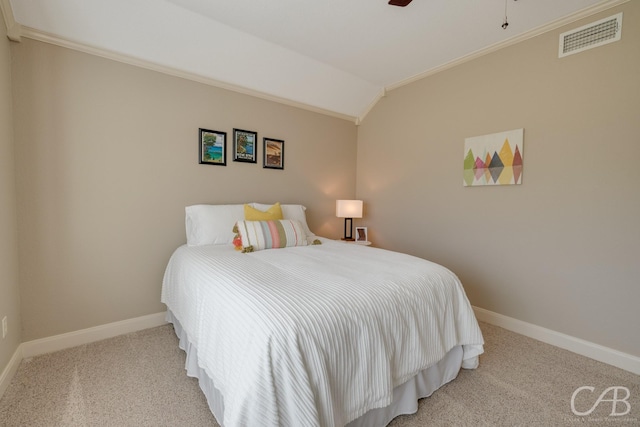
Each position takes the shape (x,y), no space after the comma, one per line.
(505,24)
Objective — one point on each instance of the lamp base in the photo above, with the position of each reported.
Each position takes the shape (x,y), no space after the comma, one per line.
(348,229)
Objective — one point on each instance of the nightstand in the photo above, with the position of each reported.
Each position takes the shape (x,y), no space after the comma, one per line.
(363,243)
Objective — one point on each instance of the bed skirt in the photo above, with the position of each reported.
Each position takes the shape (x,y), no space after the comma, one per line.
(405,396)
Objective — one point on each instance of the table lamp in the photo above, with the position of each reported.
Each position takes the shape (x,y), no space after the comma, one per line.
(348,209)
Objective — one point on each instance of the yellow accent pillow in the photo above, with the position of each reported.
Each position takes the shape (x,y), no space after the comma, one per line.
(253,214)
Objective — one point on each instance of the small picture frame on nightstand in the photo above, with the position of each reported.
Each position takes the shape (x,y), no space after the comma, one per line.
(361,235)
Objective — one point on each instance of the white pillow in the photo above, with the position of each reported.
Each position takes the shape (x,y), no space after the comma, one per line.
(211,224)
(296,212)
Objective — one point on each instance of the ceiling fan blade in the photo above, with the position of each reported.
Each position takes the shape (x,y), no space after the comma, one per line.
(401,3)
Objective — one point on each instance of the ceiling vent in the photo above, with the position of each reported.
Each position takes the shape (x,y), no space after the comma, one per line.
(607,30)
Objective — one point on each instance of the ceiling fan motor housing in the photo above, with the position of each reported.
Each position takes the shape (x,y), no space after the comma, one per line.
(401,3)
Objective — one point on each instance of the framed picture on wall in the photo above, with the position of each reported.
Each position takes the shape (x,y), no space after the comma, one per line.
(212,147)
(244,146)
(361,234)
(273,151)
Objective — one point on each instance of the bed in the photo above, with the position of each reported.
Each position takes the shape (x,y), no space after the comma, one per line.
(325,334)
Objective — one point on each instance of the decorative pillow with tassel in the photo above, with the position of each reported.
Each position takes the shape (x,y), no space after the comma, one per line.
(259,235)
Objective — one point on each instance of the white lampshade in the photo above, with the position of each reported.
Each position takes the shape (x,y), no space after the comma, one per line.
(349,208)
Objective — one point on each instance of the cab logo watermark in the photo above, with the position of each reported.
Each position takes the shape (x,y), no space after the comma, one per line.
(617,396)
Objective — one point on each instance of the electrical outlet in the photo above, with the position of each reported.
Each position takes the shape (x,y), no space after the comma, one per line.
(4,327)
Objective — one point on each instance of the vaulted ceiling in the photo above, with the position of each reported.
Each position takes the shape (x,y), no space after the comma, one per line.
(333,56)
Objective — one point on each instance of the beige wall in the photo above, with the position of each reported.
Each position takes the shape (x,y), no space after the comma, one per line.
(106,162)
(562,250)
(9,291)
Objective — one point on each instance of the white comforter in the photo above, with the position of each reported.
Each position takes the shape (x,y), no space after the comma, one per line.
(315,335)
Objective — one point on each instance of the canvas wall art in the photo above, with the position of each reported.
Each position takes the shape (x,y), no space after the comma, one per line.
(494,159)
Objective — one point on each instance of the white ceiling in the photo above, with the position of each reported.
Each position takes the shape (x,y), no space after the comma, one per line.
(337,56)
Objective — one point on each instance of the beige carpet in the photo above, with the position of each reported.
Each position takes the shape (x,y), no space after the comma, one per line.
(139,380)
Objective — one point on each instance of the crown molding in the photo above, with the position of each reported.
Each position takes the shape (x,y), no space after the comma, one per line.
(45,37)
(378,97)
(14,29)
(600,7)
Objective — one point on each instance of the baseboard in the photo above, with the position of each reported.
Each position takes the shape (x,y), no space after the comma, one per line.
(89,335)
(10,370)
(85,336)
(72,339)
(579,346)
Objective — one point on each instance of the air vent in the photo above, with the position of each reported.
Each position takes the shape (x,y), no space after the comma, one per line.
(592,35)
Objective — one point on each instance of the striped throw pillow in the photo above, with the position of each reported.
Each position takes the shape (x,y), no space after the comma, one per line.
(259,235)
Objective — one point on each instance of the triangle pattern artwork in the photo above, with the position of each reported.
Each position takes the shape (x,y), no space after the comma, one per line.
(494,159)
